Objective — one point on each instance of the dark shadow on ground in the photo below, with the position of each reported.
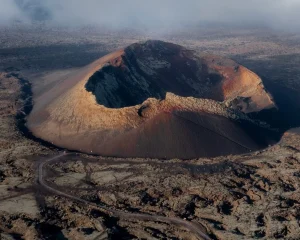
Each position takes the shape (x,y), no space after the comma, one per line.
(51,57)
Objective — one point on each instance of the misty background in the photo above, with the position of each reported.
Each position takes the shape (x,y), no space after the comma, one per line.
(281,14)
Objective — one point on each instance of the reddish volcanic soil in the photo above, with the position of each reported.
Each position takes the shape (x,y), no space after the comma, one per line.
(188,135)
(158,100)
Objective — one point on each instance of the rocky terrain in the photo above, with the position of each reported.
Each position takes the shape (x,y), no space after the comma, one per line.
(17,200)
(252,196)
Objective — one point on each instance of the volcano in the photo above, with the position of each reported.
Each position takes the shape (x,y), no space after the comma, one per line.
(155,99)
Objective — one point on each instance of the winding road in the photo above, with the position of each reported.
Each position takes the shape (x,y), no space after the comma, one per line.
(191,226)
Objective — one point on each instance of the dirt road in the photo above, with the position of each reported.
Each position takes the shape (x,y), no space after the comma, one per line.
(197,229)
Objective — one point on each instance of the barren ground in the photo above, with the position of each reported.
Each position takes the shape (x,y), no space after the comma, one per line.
(253,196)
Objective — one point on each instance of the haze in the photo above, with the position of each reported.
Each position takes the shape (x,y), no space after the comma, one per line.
(281,14)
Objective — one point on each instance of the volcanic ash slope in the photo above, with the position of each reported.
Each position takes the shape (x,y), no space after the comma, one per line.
(155,99)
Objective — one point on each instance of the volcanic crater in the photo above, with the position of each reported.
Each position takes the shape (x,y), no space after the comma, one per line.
(158,100)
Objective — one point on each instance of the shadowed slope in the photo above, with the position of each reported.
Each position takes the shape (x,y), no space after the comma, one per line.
(188,135)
